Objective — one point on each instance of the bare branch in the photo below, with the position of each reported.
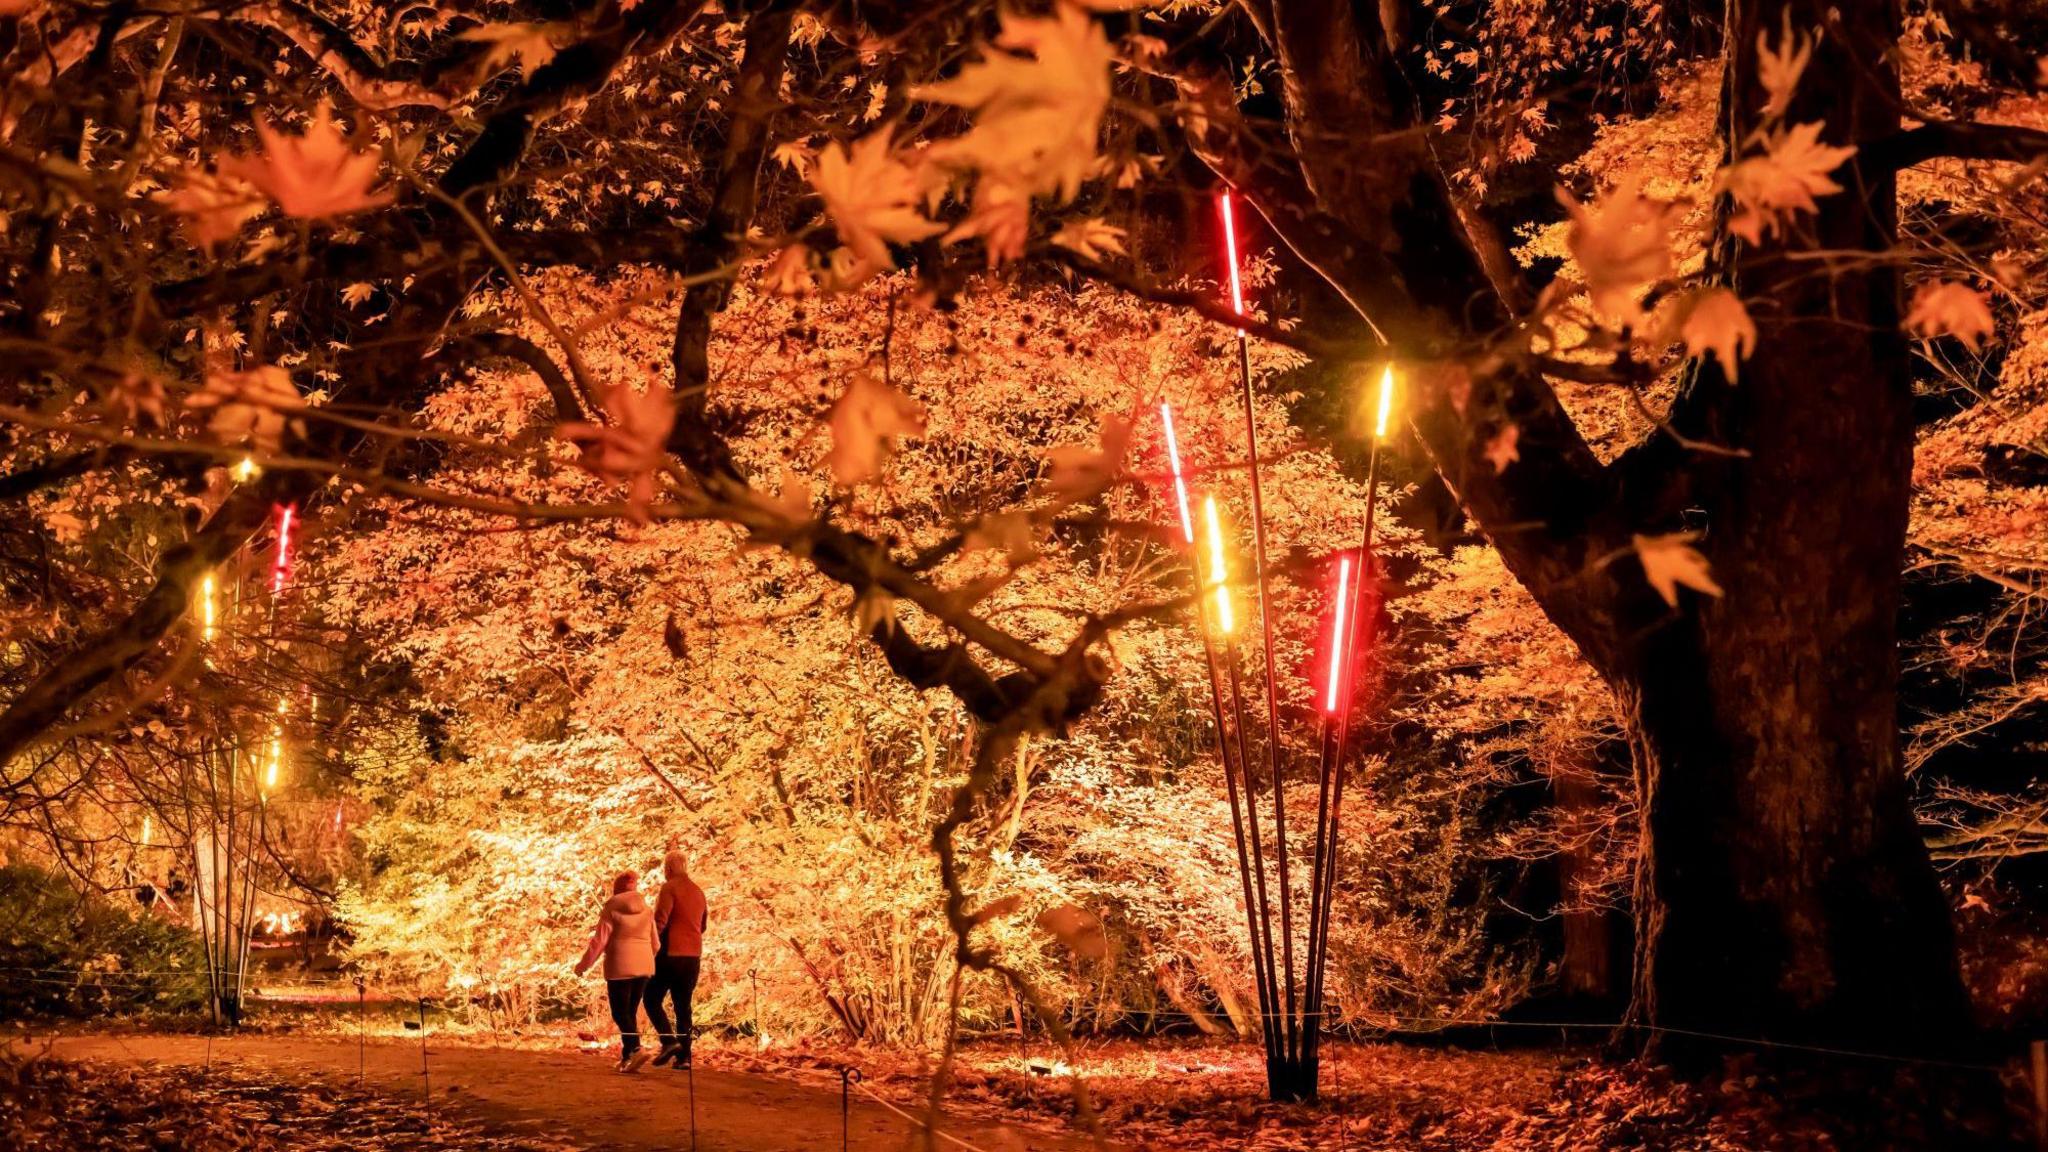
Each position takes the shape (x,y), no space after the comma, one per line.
(1955,140)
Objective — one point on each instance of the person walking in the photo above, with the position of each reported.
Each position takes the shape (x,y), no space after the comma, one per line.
(624,937)
(680,917)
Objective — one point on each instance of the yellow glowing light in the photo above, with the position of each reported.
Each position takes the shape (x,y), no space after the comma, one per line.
(1219,573)
(146,829)
(1386,402)
(206,608)
(247,469)
(275,764)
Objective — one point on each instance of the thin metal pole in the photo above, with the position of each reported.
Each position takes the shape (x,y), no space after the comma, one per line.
(362,1032)
(1317,892)
(847,1077)
(1241,826)
(426,1079)
(199,875)
(1367,568)
(690,1070)
(1238,829)
(248,927)
(1251,438)
(1273,1038)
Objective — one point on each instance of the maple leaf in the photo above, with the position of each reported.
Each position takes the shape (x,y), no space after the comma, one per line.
(1717,323)
(1012,532)
(1946,308)
(871,197)
(1090,238)
(1037,118)
(1780,181)
(1779,69)
(249,407)
(524,46)
(789,274)
(313,175)
(1622,245)
(844,270)
(214,207)
(1001,217)
(866,421)
(137,396)
(1504,448)
(632,445)
(1671,560)
(794,156)
(356,293)
(1076,472)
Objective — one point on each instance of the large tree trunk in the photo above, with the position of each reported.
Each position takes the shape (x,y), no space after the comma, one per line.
(1784,890)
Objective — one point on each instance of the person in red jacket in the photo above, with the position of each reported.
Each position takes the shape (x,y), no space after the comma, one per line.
(625,937)
(680,917)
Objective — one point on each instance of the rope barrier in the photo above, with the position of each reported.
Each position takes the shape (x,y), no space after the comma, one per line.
(852,1076)
(134,980)
(946,1136)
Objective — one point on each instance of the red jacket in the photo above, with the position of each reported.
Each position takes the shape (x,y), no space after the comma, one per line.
(680,917)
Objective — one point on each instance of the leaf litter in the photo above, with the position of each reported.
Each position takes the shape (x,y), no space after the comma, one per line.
(63,1106)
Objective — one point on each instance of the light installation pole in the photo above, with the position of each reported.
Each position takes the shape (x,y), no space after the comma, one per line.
(1290,995)
(224,889)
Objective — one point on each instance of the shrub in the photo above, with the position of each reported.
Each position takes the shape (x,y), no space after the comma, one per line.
(63,953)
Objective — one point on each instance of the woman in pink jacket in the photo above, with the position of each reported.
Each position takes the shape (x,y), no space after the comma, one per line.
(625,938)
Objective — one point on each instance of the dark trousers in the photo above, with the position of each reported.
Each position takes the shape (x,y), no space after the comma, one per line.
(624,996)
(673,976)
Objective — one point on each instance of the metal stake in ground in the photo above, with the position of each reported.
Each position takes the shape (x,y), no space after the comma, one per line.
(691,1072)
(362,1031)
(426,1082)
(848,1076)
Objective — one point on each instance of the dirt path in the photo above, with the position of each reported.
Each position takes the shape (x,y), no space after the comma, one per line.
(578,1097)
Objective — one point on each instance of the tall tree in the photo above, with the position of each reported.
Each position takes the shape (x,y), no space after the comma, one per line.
(1783,889)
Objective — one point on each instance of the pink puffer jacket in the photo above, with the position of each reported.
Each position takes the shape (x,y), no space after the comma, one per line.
(624,937)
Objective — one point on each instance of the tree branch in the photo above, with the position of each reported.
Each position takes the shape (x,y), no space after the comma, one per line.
(85,668)
(1956,140)
(511,347)
(16,485)
(718,240)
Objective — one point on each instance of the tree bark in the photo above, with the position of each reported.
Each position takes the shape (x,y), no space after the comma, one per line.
(1784,890)
(1584,970)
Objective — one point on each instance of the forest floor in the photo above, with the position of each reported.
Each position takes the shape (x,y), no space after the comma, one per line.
(1164,1095)
(544,1100)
